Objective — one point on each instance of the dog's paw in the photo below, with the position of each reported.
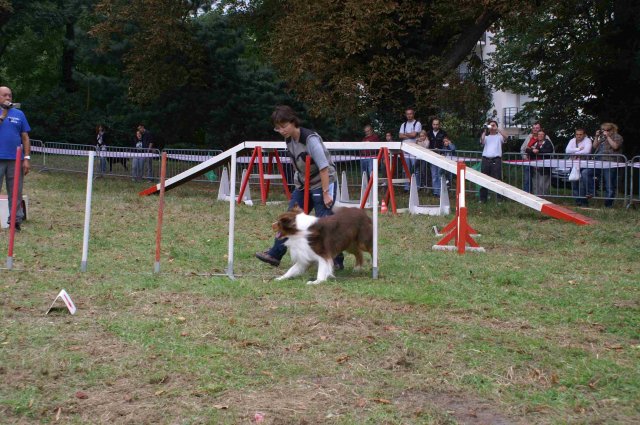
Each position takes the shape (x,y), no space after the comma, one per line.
(281,278)
(314,282)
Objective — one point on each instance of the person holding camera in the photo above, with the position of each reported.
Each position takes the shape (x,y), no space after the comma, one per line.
(608,141)
(14,132)
(492,139)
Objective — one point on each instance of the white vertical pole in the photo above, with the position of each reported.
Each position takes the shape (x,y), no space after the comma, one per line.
(232,214)
(374,257)
(87,212)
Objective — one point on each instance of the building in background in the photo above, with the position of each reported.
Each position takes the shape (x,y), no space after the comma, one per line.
(506,104)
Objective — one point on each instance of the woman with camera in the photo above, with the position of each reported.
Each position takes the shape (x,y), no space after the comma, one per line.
(608,146)
(491,140)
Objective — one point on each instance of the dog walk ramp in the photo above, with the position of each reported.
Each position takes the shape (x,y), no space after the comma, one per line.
(541,205)
(194,171)
(499,187)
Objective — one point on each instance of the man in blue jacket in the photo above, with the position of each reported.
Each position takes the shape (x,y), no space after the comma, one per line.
(14,132)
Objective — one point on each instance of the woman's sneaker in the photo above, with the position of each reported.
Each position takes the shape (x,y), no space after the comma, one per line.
(267,258)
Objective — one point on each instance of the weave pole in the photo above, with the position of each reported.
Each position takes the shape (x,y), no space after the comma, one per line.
(14,207)
(87,212)
(163,174)
(374,256)
(232,215)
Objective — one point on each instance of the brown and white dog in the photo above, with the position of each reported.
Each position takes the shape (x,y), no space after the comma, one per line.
(319,240)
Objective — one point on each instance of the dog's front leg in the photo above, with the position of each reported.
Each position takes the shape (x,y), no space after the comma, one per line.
(325,271)
(296,270)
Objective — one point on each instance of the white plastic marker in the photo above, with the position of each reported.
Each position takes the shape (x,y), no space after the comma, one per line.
(87,213)
(67,301)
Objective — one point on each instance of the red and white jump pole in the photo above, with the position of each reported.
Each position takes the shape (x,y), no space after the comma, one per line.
(87,213)
(14,206)
(163,174)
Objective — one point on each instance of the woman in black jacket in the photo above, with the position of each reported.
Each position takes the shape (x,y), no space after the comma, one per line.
(541,174)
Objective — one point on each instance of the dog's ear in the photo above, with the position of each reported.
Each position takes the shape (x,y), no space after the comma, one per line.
(296,209)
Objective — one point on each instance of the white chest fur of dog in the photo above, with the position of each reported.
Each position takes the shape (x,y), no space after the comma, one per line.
(303,255)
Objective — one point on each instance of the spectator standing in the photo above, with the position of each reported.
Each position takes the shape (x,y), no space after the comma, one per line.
(138,161)
(302,142)
(147,145)
(409,131)
(101,148)
(436,142)
(608,144)
(421,172)
(366,164)
(491,140)
(526,169)
(14,132)
(448,150)
(578,148)
(541,175)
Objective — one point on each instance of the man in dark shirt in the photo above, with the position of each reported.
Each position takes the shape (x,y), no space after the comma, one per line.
(436,138)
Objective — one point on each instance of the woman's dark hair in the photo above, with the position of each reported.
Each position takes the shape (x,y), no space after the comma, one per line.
(284,114)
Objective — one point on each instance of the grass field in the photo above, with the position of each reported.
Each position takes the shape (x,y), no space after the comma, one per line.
(543,328)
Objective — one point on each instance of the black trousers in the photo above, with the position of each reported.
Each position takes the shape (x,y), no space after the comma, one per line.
(493,168)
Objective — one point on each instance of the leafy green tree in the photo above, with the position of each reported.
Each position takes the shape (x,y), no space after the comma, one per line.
(579,60)
(357,57)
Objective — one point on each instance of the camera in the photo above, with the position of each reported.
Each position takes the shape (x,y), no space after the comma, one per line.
(602,136)
(10,105)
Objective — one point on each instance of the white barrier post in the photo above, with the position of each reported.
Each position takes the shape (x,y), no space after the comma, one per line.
(87,212)
(374,257)
(232,214)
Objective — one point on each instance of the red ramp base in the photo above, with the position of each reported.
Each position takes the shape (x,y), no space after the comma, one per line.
(563,213)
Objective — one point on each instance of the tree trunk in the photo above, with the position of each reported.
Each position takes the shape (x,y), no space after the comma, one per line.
(468,39)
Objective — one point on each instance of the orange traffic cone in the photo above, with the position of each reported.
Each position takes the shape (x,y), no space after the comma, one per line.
(383,207)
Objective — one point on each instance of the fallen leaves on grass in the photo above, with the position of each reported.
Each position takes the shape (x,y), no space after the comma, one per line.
(82,395)
(613,346)
(343,359)
(381,400)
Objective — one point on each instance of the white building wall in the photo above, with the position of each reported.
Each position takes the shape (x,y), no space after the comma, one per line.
(502,101)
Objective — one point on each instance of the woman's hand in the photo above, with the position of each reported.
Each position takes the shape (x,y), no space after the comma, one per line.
(328,200)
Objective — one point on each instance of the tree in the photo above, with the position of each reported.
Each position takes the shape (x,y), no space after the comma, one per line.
(579,60)
(352,57)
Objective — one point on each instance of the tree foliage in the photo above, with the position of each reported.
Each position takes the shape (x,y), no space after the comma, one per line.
(352,57)
(579,60)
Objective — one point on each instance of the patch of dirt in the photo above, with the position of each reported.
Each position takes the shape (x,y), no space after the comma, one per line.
(465,409)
